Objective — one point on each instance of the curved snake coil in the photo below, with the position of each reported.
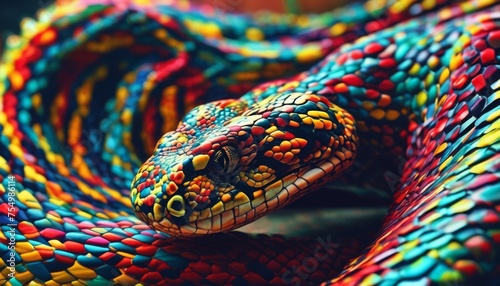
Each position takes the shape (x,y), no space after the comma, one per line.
(88,89)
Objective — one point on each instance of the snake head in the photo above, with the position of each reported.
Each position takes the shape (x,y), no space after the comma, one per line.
(228,164)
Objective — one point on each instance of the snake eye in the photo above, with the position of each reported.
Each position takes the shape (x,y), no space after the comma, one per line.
(224,160)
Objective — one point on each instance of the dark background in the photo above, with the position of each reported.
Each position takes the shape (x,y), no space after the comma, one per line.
(12,11)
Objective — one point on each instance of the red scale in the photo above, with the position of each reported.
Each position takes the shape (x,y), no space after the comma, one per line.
(75,247)
(353,80)
(488,56)
(281,122)
(494,39)
(45,253)
(151,277)
(373,48)
(460,115)
(146,250)
(149,200)
(201,267)
(356,54)
(386,85)
(220,278)
(50,233)
(491,218)
(136,271)
(65,260)
(387,63)
(191,276)
(480,44)
(124,263)
(255,279)
(24,227)
(460,82)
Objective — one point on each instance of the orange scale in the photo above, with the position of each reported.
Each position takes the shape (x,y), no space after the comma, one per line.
(111,237)
(288,157)
(384,100)
(341,88)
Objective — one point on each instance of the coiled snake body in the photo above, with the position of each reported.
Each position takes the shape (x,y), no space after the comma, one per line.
(88,89)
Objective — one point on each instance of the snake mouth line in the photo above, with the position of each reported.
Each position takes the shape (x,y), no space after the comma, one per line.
(280,192)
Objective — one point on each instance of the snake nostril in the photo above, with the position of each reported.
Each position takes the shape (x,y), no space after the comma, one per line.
(175,206)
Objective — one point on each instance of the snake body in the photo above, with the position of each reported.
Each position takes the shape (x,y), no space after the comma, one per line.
(88,88)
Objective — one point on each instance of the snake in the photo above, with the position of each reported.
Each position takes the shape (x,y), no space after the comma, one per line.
(137,134)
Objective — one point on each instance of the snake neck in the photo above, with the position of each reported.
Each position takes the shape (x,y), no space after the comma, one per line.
(394,81)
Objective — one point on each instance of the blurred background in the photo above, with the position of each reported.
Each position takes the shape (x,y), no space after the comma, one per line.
(279,6)
(11,12)
(317,212)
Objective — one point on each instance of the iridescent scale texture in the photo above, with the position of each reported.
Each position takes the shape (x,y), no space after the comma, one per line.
(136,133)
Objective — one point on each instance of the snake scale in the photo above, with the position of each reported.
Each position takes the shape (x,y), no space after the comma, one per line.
(271,107)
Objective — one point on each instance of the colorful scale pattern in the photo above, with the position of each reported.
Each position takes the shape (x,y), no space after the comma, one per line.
(227,164)
(89,87)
